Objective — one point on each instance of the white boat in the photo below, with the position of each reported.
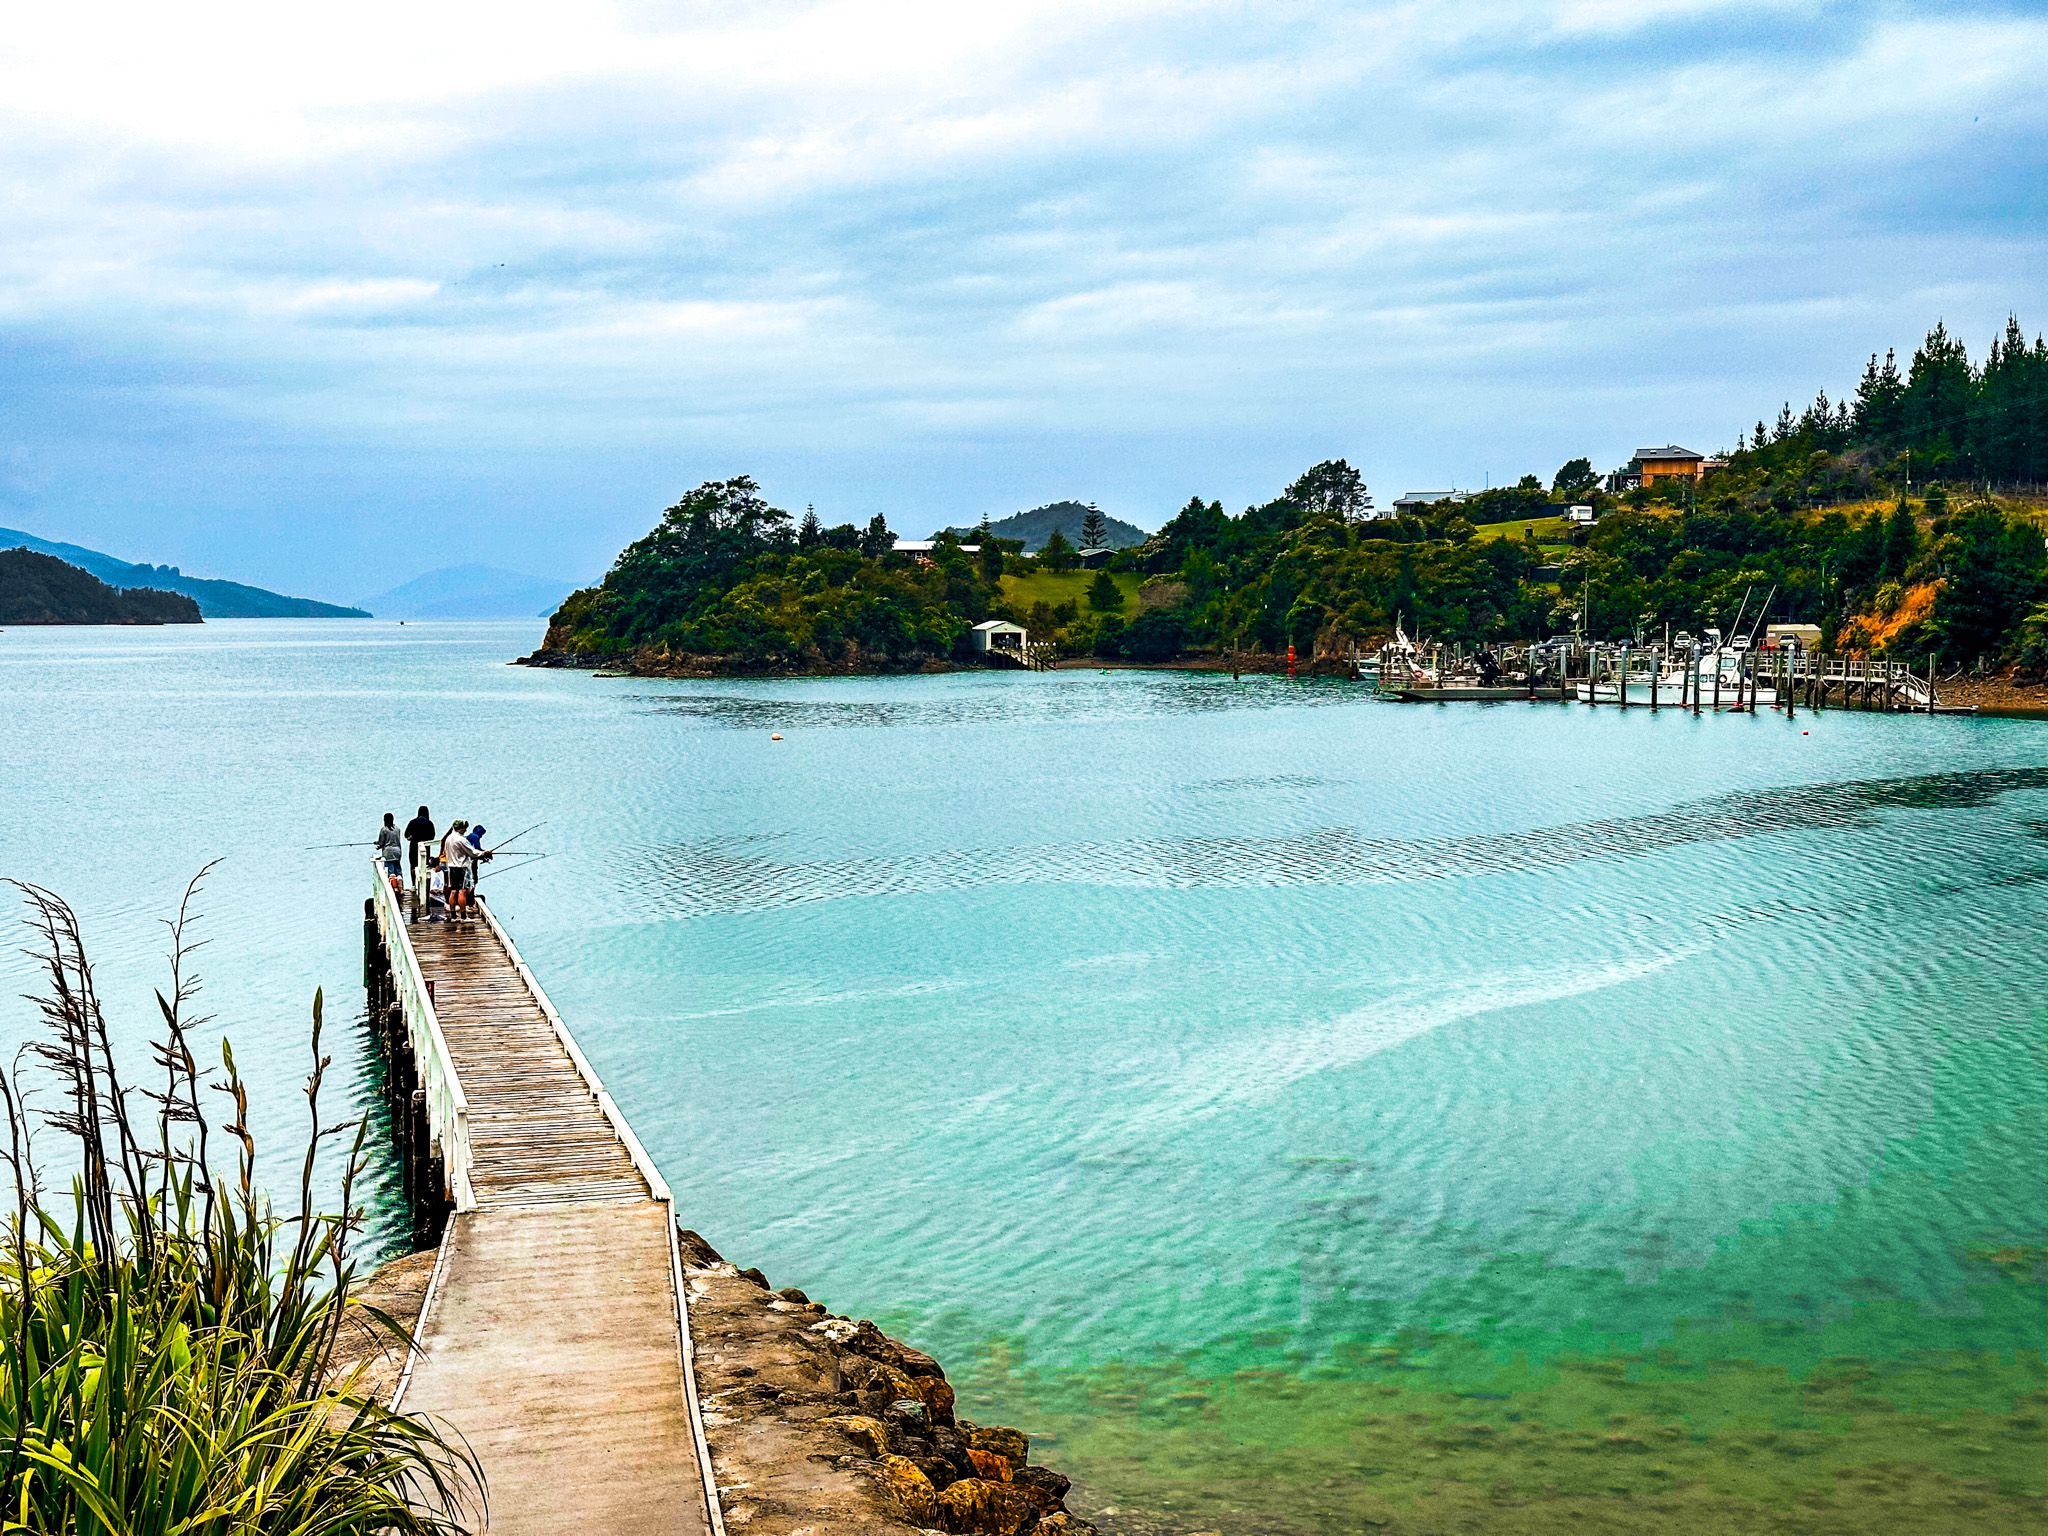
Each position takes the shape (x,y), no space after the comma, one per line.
(1669,687)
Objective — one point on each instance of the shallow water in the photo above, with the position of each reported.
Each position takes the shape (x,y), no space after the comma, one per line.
(1248,1083)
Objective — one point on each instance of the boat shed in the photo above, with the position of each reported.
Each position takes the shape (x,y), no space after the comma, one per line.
(1001,637)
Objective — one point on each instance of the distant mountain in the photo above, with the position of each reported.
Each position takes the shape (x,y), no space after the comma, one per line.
(473,592)
(217,599)
(1036,526)
(36,588)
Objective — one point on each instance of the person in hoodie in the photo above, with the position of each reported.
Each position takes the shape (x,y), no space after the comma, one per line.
(460,857)
(419,833)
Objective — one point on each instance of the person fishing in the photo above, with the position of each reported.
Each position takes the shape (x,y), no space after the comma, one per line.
(390,846)
(419,833)
(460,857)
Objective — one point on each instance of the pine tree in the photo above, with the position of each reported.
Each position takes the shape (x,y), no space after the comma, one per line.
(1094,530)
(808,533)
(878,540)
(1877,402)
(1901,542)
(1104,595)
(1940,390)
(1058,554)
(991,556)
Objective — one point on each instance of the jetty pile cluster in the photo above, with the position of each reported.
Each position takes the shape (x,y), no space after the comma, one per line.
(824,1423)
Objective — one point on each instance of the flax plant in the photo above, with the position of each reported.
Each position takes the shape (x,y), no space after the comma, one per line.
(167,1338)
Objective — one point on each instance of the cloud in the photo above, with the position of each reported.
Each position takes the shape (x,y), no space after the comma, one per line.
(938,255)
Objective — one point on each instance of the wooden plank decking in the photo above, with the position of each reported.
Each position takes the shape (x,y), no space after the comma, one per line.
(552,1337)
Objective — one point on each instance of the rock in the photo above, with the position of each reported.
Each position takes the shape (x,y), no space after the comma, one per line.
(952,1445)
(915,1362)
(911,1488)
(937,1394)
(1045,1480)
(871,1435)
(941,1472)
(837,1329)
(910,1415)
(791,1293)
(1010,1444)
(695,1251)
(756,1276)
(867,1339)
(987,1464)
(977,1507)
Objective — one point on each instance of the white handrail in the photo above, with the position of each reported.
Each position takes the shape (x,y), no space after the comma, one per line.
(656,1184)
(447,1104)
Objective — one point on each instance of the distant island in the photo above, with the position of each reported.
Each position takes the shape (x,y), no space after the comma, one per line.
(1031,530)
(41,589)
(1874,519)
(217,599)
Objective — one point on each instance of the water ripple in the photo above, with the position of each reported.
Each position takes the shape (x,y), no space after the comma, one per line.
(730,875)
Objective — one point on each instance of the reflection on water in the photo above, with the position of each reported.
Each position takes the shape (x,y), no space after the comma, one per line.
(1317,1112)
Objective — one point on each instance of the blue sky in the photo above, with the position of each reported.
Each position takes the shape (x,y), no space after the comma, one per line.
(324,297)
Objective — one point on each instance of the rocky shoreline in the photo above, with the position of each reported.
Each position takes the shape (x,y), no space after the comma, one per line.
(655,662)
(819,1425)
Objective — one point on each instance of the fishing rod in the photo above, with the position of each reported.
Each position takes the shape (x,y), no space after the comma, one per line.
(485,874)
(508,842)
(318,847)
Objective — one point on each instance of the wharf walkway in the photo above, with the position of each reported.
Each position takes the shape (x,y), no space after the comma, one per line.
(555,1333)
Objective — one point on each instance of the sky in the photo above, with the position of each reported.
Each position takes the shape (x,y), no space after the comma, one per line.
(322,297)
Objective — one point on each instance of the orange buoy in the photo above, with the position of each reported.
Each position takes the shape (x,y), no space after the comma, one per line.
(775,736)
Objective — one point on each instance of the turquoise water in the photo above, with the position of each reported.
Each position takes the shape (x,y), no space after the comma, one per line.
(1162,1029)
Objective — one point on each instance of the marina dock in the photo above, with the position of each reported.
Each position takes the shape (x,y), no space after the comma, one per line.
(555,1333)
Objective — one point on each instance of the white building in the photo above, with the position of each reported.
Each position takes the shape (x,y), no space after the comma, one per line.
(1001,637)
(1415,501)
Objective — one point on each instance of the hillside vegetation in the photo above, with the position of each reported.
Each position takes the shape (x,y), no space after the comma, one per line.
(725,583)
(1030,530)
(217,599)
(1859,518)
(41,589)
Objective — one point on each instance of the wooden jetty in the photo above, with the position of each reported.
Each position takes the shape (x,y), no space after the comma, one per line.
(555,1334)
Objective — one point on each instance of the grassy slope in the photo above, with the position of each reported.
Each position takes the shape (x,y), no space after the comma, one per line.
(1067,587)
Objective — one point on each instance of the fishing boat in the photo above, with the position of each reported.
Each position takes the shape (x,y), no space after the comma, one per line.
(1643,679)
(1404,674)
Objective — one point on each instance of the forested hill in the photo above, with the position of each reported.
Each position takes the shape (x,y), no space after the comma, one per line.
(41,589)
(217,599)
(725,583)
(1033,528)
(1871,520)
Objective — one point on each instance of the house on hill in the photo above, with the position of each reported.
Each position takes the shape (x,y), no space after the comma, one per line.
(1415,503)
(1669,462)
(920,550)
